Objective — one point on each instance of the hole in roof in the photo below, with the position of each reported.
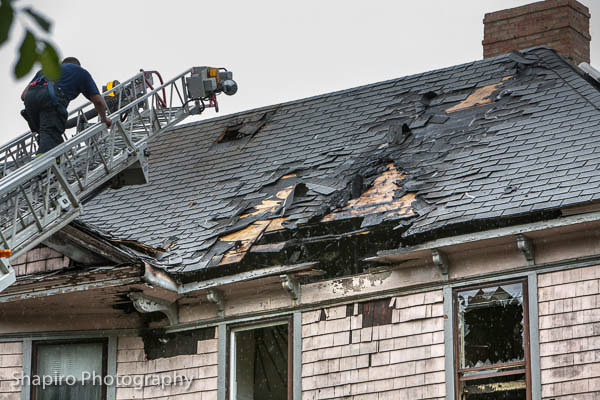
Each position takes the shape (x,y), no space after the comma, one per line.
(427,97)
(246,128)
(231,133)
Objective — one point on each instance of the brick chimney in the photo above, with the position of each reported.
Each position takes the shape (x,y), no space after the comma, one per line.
(563,25)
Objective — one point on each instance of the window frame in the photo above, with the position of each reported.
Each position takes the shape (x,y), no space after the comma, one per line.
(34,359)
(246,326)
(526,337)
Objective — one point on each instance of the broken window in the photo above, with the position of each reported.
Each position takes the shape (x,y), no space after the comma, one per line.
(260,362)
(492,342)
(69,371)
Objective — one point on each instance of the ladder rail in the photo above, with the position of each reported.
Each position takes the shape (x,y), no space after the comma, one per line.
(26,145)
(42,196)
(33,168)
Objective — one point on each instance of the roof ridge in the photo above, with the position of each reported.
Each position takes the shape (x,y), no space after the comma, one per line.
(593,100)
(347,90)
(522,151)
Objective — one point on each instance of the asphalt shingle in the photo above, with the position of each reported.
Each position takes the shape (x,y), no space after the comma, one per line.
(535,132)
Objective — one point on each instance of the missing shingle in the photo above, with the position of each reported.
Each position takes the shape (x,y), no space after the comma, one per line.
(427,97)
(245,128)
(480,96)
(158,344)
(231,133)
(323,315)
(375,313)
(349,310)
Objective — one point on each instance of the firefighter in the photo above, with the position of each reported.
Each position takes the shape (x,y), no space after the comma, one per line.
(46,102)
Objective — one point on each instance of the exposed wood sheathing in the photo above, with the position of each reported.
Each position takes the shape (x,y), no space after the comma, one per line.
(385,199)
(275,224)
(246,237)
(380,198)
(270,205)
(479,97)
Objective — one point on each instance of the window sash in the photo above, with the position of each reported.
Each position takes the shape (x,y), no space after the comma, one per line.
(459,377)
(35,367)
(477,300)
(493,366)
(492,375)
(232,351)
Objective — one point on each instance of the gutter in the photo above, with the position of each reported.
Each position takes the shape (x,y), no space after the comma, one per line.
(401,254)
(159,278)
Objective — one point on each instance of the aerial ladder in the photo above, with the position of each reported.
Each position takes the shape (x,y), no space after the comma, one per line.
(40,195)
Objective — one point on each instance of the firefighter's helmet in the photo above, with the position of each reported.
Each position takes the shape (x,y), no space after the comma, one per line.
(109,86)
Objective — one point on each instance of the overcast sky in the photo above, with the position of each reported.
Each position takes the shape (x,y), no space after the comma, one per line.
(277,50)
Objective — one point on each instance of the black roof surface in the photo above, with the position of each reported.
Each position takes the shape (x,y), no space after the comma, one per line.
(488,140)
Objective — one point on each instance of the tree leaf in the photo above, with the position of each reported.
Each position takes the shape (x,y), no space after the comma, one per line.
(27,55)
(41,21)
(6,19)
(50,62)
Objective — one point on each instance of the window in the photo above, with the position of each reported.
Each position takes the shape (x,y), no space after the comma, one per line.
(65,368)
(492,342)
(260,361)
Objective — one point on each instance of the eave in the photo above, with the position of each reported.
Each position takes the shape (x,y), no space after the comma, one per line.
(533,231)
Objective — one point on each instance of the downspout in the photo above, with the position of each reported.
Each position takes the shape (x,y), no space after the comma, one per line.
(158,277)
(147,304)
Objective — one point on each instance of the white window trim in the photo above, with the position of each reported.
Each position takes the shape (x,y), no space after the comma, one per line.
(232,351)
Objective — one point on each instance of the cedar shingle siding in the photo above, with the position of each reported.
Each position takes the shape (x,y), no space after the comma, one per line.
(569,311)
(400,360)
(11,361)
(132,361)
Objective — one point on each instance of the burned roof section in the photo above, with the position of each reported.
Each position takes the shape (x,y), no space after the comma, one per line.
(473,146)
(245,128)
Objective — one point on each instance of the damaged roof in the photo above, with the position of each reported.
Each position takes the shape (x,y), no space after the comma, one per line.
(471,145)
